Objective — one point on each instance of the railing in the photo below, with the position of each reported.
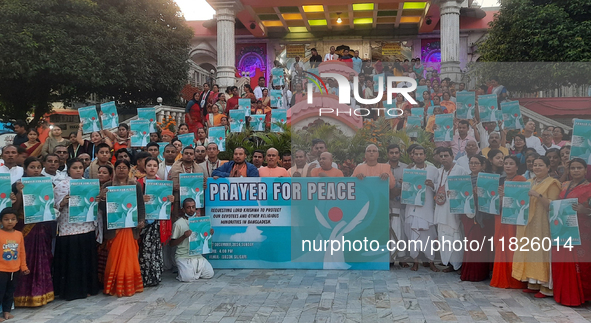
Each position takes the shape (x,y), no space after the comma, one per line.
(561,92)
(241,82)
(542,120)
(197,74)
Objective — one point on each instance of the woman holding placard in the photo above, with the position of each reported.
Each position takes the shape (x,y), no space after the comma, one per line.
(151,239)
(75,260)
(35,289)
(501,277)
(571,268)
(476,264)
(532,266)
(122,272)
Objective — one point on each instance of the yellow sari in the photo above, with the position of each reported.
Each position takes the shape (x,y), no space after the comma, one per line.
(534,266)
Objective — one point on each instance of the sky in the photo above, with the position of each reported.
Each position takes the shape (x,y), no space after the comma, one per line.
(201,10)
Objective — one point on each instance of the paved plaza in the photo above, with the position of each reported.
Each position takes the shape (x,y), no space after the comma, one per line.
(398,295)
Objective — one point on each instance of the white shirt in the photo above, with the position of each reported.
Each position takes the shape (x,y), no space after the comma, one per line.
(551,146)
(293,67)
(464,161)
(330,57)
(258,92)
(57,178)
(535,142)
(442,214)
(15,172)
(425,212)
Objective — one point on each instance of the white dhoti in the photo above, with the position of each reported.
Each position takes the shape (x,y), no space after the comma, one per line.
(396,234)
(193,268)
(419,233)
(447,236)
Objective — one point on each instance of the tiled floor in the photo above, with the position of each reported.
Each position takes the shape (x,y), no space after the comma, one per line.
(398,295)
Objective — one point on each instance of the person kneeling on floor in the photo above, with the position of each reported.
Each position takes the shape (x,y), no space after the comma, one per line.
(191,267)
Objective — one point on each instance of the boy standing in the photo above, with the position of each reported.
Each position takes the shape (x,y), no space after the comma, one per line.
(12,262)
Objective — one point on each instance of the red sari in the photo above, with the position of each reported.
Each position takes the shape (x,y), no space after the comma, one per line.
(195,122)
(503,266)
(571,270)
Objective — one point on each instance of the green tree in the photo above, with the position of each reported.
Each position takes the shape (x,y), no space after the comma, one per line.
(64,50)
(538,31)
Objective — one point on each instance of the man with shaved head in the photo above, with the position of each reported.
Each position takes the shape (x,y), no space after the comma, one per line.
(471,150)
(272,169)
(371,167)
(326,169)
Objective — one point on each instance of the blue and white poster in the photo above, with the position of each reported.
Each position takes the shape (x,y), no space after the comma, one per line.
(581,140)
(83,203)
(89,118)
(512,115)
(344,211)
(187,139)
(420,90)
(38,199)
(109,115)
(246,105)
(237,120)
(161,148)
(201,234)
(140,130)
(252,222)
(277,76)
(278,119)
(487,107)
(148,114)
(418,112)
(217,135)
(5,190)
(465,105)
(276,99)
(444,127)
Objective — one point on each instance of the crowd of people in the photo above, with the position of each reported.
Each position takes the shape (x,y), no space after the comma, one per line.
(75,260)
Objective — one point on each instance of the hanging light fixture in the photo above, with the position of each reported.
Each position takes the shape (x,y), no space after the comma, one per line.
(339,20)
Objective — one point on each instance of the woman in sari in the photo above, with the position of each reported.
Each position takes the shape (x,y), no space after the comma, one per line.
(266,99)
(418,68)
(193,116)
(556,168)
(221,103)
(519,150)
(105,174)
(150,244)
(248,93)
(476,264)
(123,276)
(89,147)
(183,129)
(558,137)
(399,123)
(53,140)
(448,106)
(529,164)
(503,267)
(571,268)
(75,261)
(35,289)
(531,266)
(33,146)
(213,96)
(217,116)
(120,140)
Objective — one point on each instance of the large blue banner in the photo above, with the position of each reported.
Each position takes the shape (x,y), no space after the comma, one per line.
(295,223)
(251,218)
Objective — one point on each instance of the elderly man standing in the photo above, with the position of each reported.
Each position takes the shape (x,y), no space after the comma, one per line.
(272,169)
(326,169)
(372,168)
(471,150)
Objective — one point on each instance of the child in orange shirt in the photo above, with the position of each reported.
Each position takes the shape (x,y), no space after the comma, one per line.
(13,260)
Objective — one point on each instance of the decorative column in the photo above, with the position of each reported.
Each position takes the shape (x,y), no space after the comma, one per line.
(226,11)
(450,38)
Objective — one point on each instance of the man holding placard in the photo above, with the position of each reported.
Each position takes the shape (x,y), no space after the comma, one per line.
(419,223)
(184,165)
(449,226)
(396,208)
